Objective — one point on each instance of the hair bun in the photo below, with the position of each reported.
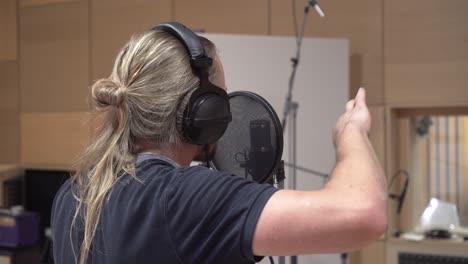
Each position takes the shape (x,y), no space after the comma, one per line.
(107,93)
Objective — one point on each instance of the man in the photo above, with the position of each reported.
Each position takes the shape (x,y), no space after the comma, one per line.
(134,199)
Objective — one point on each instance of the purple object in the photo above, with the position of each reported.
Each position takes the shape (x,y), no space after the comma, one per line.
(18,230)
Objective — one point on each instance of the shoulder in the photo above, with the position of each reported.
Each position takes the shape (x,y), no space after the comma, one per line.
(200,187)
(62,193)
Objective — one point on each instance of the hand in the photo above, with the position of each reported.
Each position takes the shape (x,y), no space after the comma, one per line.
(356,116)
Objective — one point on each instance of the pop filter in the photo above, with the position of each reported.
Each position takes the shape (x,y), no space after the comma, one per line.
(252,145)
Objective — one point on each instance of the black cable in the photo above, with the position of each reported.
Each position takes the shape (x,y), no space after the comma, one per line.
(399,197)
(271,260)
(392,180)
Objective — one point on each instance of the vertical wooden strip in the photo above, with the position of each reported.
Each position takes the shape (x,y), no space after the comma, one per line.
(428,166)
(464,170)
(437,158)
(433,162)
(447,159)
(452,161)
(8,30)
(457,161)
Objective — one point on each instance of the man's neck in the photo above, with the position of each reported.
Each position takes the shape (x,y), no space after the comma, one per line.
(182,153)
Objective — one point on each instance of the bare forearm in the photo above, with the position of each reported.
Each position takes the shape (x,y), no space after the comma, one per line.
(358,171)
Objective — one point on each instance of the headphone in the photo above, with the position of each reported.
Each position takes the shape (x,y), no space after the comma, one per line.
(207,113)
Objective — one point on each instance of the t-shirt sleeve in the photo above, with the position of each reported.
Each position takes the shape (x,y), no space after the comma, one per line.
(211,216)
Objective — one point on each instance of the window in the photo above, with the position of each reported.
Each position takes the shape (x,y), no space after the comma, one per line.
(443,159)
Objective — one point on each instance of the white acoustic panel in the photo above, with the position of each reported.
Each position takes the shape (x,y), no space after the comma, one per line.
(262,64)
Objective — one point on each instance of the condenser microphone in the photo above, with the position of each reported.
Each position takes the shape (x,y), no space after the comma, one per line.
(315,5)
(260,153)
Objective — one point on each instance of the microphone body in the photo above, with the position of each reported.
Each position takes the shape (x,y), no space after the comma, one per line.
(261,150)
(315,5)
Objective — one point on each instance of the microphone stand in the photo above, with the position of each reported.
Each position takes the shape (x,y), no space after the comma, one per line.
(290,111)
(291,108)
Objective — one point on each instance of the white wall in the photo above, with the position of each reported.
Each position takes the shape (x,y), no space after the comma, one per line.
(261,64)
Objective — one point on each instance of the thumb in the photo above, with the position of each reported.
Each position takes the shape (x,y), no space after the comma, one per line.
(361,98)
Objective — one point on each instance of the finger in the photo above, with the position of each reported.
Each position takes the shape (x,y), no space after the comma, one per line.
(350,105)
(361,98)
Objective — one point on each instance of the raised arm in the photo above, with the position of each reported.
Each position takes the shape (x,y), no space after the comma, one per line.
(348,213)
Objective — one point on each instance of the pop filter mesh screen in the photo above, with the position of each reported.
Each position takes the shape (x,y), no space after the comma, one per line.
(252,145)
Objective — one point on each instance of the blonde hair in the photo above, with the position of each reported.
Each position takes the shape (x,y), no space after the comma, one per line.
(143,98)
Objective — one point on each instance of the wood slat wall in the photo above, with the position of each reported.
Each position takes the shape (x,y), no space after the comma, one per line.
(464,181)
(214,16)
(54,65)
(113,22)
(9,112)
(53,139)
(426,52)
(29,3)
(8,30)
(9,88)
(377,133)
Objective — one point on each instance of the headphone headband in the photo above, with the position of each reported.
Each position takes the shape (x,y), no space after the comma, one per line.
(198,58)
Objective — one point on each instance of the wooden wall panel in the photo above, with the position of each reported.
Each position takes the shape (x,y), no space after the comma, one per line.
(360,21)
(9,86)
(54,57)
(8,26)
(8,171)
(373,253)
(377,133)
(28,3)
(9,112)
(9,137)
(53,139)
(426,52)
(224,16)
(463,211)
(113,22)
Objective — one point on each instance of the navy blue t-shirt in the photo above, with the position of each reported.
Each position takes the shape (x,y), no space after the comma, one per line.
(174,215)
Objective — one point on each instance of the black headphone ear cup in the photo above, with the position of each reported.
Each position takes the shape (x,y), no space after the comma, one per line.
(181,114)
(208,120)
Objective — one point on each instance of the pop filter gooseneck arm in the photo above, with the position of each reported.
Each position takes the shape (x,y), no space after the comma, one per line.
(291,107)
